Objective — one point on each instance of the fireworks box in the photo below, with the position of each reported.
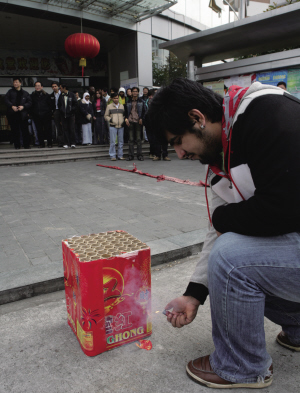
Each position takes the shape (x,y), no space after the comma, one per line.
(108,289)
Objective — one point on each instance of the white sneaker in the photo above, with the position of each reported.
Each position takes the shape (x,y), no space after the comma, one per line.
(113,159)
(73,146)
(65,146)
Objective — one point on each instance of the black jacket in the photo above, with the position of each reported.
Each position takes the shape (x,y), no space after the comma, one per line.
(264,165)
(84,110)
(11,100)
(102,106)
(265,139)
(52,101)
(69,110)
(141,108)
(41,105)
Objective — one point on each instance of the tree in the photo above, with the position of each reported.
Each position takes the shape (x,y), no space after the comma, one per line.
(163,75)
(275,5)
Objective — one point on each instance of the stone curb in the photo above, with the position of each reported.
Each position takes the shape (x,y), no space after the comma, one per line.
(57,284)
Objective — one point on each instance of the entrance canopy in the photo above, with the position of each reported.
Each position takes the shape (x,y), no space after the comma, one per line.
(128,10)
(272,30)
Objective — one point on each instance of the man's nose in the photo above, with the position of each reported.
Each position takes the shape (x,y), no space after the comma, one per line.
(180,152)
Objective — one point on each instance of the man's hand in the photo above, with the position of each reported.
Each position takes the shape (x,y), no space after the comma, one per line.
(20,108)
(14,108)
(140,121)
(127,122)
(184,310)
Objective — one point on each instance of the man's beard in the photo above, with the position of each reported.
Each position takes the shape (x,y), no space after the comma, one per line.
(212,149)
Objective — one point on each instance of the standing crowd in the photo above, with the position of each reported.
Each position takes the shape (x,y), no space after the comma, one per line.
(66,119)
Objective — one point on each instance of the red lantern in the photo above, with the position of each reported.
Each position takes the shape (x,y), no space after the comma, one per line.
(83,46)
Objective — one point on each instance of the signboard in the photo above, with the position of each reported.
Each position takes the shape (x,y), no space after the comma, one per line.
(217,87)
(53,63)
(293,84)
(272,77)
(239,80)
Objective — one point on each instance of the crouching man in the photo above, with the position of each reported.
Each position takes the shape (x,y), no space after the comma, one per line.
(250,263)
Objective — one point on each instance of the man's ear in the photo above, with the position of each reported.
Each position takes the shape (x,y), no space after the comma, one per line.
(197,116)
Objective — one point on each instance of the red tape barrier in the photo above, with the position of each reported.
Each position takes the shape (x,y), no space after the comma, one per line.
(159,177)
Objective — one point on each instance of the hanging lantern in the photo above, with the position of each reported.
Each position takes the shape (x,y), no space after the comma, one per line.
(82,46)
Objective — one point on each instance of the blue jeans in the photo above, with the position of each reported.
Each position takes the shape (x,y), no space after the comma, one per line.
(113,134)
(249,278)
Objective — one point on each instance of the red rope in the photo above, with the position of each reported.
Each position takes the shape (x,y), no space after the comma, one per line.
(159,177)
(206,197)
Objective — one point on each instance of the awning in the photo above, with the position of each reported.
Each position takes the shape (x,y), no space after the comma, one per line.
(272,30)
(127,10)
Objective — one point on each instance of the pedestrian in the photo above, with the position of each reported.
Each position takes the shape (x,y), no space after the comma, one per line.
(161,152)
(145,98)
(87,113)
(78,125)
(114,114)
(18,102)
(282,85)
(54,96)
(67,104)
(33,132)
(122,98)
(41,112)
(250,264)
(105,94)
(126,129)
(135,111)
(152,141)
(145,95)
(92,92)
(128,94)
(99,107)
(112,91)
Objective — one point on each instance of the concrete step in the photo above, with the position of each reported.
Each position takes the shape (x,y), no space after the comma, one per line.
(50,152)
(55,155)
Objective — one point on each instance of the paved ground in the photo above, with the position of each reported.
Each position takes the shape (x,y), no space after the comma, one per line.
(42,204)
(40,354)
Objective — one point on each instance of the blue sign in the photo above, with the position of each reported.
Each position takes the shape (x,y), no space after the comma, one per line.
(272,77)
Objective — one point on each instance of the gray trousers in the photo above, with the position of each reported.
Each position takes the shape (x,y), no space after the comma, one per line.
(135,131)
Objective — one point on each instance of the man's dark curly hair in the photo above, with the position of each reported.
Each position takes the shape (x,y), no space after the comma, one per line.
(168,109)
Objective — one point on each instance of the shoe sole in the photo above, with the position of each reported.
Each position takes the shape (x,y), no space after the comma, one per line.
(297,349)
(255,385)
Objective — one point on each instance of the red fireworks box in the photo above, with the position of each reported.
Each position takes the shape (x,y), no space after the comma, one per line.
(108,289)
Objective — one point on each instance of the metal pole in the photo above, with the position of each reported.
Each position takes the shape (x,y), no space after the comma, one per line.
(232,9)
(191,68)
(242,9)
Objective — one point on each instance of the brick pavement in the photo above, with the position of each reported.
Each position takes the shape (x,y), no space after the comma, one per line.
(42,204)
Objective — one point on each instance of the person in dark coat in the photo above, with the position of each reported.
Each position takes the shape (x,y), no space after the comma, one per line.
(56,113)
(100,130)
(18,102)
(135,111)
(67,104)
(41,112)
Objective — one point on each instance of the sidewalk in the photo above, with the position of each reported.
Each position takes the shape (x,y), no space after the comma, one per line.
(40,354)
(42,204)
